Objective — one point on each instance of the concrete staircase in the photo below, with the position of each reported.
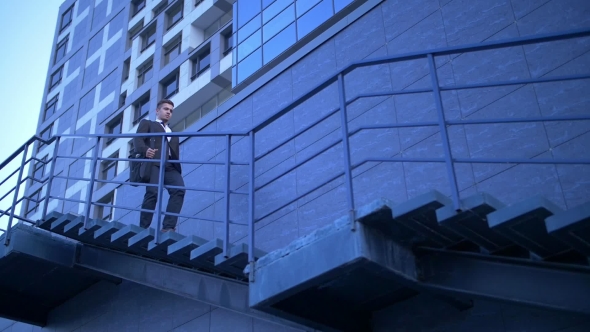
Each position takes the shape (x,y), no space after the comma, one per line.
(530,253)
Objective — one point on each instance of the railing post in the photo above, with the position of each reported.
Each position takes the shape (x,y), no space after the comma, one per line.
(251,207)
(15,197)
(442,123)
(346,152)
(91,184)
(50,179)
(226,197)
(162,170)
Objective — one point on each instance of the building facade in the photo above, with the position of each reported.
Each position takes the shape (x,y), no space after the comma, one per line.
(229,66)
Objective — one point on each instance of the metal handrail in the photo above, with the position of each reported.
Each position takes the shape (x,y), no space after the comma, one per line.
(337,78)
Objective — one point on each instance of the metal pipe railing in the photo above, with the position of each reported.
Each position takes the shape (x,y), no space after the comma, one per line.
(15,197)
(338,79)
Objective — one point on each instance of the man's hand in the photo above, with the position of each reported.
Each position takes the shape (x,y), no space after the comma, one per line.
(150,153)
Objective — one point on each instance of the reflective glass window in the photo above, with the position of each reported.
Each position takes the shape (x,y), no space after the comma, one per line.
(247,10)
(274,9)
(250,65)
(265,3)
(304,5)
(249,45)
(314,18)
(248,29)
(279,43)
(340,4)
(278,23)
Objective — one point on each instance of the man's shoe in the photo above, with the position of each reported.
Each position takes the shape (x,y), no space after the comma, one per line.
(168,230)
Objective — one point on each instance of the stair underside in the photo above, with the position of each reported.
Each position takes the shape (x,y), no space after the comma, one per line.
(37,274)
(188,251)
(424,246)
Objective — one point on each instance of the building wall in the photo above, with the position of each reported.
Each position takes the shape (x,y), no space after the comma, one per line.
(132,307)
(393,27)
(396,28)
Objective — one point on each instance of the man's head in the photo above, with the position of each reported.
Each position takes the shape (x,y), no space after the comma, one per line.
(164,110)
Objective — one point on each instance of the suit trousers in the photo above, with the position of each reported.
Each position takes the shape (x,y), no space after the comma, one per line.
(172,178)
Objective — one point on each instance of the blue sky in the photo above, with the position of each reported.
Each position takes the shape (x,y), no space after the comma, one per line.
(28,28)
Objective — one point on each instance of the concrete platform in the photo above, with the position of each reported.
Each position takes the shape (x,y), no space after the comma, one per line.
(38,273)
(337,277)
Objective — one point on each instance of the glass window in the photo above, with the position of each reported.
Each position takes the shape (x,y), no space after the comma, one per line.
(32,205)
(247,10)
(274,9)
(106,212)
(312,19)
(109,168)
(55,78)
(66,18)
(114,127)
(141,108)
(225,94)
(201,63)
(265,3)
(175,14)
(144,73)
(40,169)
(149,37)
(248,29)
(208,106)
(279,23)
(160,8)
(126,68)
(249,65)
(228,42)
(340,4)
(304,5)
(249,45)
(133,33)
(61,49)
(50,107)
(138,5)
(170,86)
(172,50)
(279,43)
(193,117)
(45,135)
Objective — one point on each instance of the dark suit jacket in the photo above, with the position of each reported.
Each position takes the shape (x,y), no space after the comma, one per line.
(141,144)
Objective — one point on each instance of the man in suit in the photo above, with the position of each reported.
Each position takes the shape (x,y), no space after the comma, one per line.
(172,173)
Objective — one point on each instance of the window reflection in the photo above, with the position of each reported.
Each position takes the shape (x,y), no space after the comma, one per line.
(316,16)
(274,9)
(279,43)
(279,22)
(304,5)
(249,45)
(340,4)
(249,65)
(247,30)
(247,10)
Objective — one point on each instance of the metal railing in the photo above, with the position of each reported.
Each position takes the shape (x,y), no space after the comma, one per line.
(337,78)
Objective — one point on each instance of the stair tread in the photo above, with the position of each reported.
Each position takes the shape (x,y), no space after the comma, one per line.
(471,223)
(524,224)
(419,216)
(572,227)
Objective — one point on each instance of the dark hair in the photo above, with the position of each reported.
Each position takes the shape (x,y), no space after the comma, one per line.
(165,101)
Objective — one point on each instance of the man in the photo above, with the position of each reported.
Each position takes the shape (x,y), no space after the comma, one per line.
(173,171)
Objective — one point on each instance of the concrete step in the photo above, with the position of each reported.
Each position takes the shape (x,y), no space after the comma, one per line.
(524,224)
(572,227)
(471,223)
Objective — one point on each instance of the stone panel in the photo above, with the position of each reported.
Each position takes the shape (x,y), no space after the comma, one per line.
(100,12)
(81,30)
(95,43)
